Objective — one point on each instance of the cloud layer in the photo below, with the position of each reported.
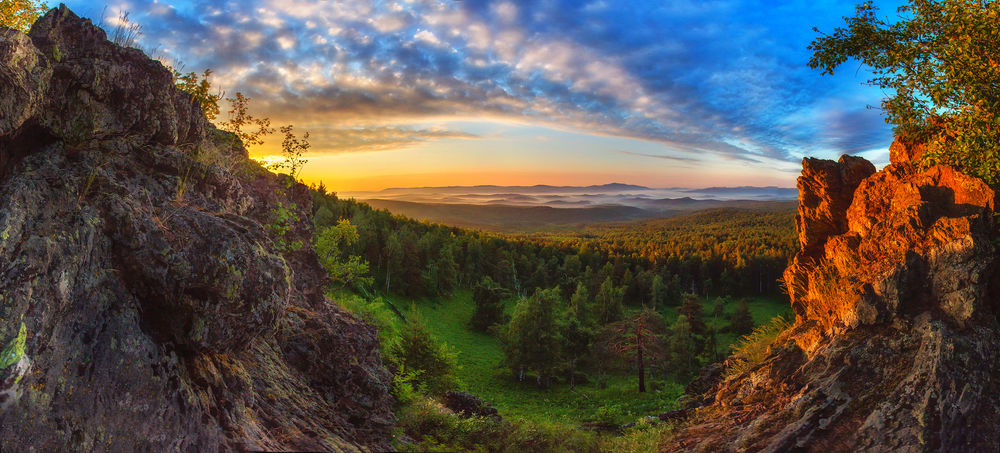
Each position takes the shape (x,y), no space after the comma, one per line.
(717,79)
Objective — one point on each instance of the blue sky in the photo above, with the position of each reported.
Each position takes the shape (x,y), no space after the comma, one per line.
(426,92)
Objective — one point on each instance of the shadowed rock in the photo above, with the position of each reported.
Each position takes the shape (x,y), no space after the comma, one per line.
(159,314)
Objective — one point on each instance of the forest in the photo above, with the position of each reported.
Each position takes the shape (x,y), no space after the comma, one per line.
(605,325)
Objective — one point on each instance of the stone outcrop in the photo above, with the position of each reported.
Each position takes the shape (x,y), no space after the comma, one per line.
(143,304)
(895,339)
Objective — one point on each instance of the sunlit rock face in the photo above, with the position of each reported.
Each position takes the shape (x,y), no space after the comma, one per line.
(895,338)
(143,305)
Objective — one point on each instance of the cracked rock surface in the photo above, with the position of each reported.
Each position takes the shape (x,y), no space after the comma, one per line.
(158,313)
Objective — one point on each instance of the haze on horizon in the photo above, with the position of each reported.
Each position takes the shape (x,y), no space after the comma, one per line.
(416,93)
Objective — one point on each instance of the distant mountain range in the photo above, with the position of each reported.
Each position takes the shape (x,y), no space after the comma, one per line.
(545,207)
(539,188)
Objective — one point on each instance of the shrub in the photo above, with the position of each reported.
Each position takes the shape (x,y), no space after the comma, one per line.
(435,428)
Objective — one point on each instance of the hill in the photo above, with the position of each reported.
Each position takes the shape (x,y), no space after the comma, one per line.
(506,218)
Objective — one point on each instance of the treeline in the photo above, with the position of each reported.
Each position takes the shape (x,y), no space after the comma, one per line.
(422,259)
(724,251)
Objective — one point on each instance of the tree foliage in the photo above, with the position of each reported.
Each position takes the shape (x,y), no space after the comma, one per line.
(487,296)
(532,340)
(332,244)
(432,365)
(939,60)
(241,123)
(20,14)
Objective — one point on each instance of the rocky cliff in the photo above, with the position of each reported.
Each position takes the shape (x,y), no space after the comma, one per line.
(143,304)
(895,339)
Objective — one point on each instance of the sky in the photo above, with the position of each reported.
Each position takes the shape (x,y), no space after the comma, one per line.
(406,93)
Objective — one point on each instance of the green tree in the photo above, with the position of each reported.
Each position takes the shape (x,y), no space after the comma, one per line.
(658,291)
(417,352)
(741,323)
(691,309)
(577,335)
(940,63)
(292,150)
(532,339)
(20,14)
(447,269)
(608,302)
(332,247)
(487,296)
(682,349)
(580,302)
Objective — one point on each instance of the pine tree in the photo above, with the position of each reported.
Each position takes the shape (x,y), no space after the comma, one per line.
(691,309)
(638,338)
(415,350)
(682,349)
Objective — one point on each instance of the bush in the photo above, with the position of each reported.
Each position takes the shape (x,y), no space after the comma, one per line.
(435,428)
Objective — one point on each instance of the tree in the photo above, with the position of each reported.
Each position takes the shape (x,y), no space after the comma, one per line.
(532,338)
(580,301)
(447,270)
(240,119)
(577,336)
(658,291)
(741,323)
(20,14)
(487,296)
(608,302)
(682,349)
(292,150)
(416,351)
(332,244)
(940,63)
(691,309)
(638,338)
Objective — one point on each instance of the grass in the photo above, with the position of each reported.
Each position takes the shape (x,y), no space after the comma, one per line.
(619,401)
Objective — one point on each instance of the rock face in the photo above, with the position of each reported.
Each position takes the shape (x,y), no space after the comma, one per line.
(143,304)
(895,292)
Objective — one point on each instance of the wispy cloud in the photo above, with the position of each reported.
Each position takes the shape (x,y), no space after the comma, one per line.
(722,78)
(362,139)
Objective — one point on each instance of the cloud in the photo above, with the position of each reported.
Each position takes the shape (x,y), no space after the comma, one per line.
(367,139)
(723,77)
